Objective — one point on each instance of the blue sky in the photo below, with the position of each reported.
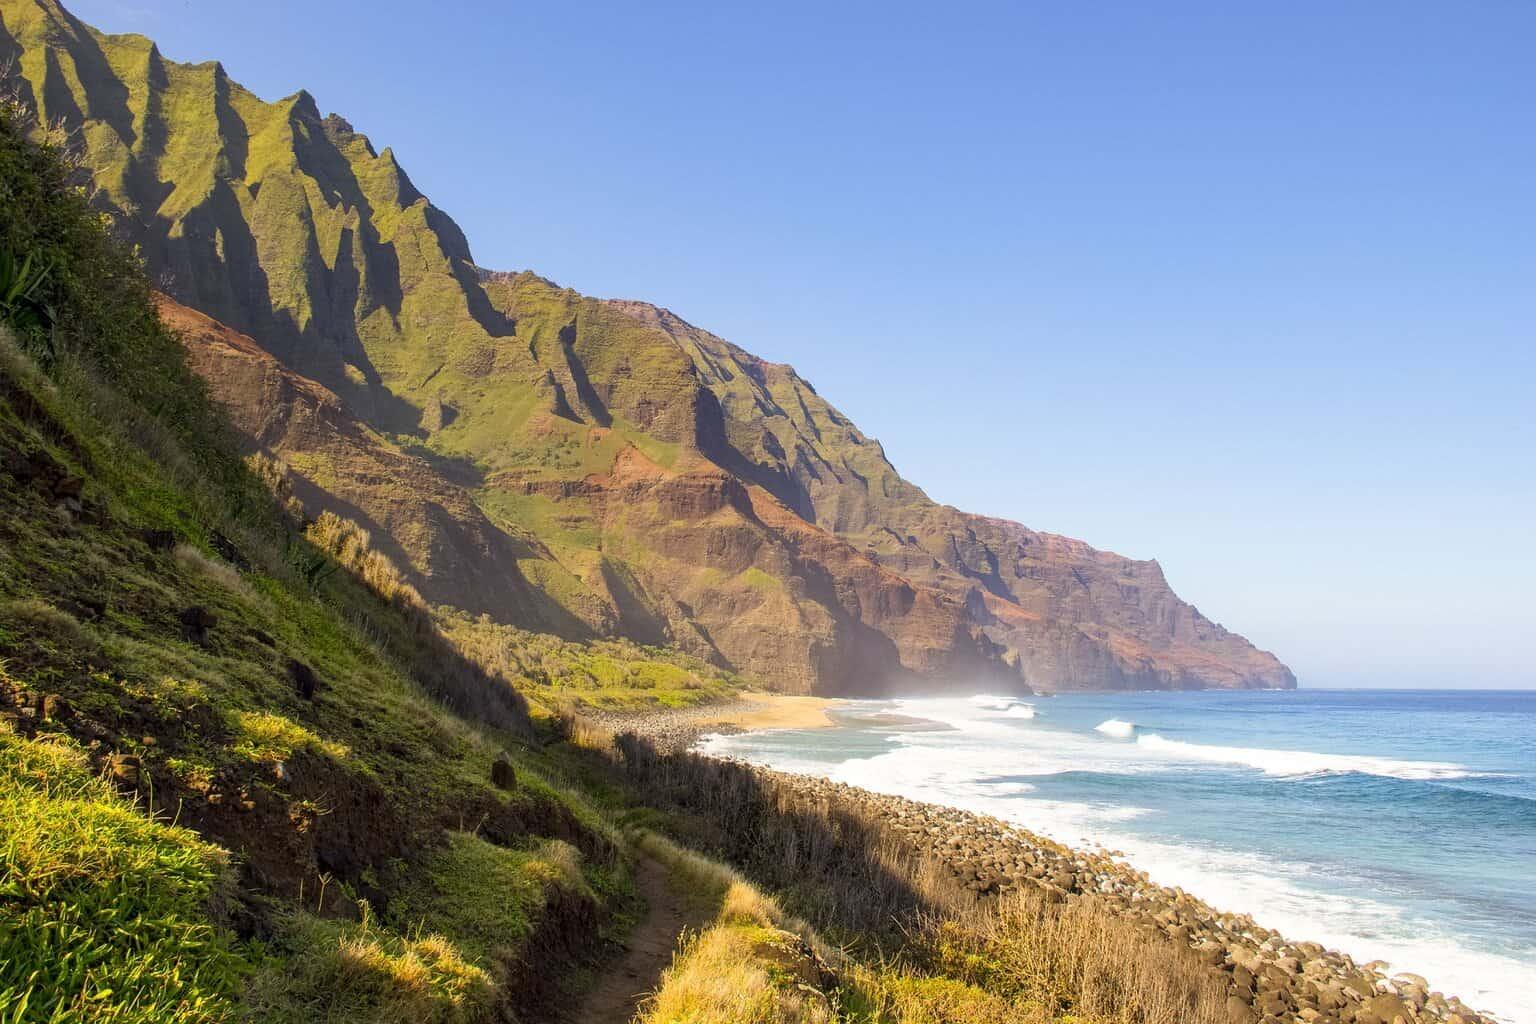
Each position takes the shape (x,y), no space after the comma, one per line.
(1248,288)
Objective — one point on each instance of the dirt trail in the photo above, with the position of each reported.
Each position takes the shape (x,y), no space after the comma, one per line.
(650,948)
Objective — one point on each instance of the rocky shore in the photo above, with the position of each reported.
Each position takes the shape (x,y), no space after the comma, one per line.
(1270,979)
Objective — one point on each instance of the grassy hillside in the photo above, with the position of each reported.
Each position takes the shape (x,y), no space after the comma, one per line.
(234,783)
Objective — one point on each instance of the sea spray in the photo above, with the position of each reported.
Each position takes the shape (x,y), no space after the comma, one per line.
(1390,826)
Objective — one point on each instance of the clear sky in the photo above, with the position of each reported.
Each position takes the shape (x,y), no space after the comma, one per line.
(1249,288)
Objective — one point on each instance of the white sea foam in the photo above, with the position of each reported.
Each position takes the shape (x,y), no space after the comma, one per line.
(1300,762)
(1021,711)
(1366,928)
(979,766)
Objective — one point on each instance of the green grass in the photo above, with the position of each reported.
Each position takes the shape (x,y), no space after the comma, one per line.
(264,736)
(602,674)
(361,973)
(105,914)
(761,582)
(487,898)
(109,913)
(567,522)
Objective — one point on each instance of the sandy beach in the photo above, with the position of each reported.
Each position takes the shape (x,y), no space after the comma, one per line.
(678,728)
(770,711)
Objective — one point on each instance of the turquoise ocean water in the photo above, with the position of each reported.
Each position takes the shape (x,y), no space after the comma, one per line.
(1392,825)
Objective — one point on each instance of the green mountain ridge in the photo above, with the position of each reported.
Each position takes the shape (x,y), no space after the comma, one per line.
(581,466)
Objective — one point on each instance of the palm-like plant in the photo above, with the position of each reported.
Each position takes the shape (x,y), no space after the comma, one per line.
(22,305)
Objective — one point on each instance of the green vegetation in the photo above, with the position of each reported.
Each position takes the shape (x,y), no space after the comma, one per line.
(105,914)
(360,973)
(21,308)
(488,898)
(562,676)
(172,647)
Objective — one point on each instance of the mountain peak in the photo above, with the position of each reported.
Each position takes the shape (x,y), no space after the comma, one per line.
(303,104)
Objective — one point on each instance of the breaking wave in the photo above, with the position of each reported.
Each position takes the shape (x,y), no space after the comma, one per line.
(1296,762)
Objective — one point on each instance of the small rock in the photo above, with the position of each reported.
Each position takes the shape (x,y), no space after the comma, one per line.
(503,775)
(158,540)
(69,487)
(86,609)
(199,617)
(1382,1009)
(56,709)
(125,769)
(1239,1012)
(198,621)
(225,549)
(303,677)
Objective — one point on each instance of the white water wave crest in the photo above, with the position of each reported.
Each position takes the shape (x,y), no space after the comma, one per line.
(1300,762)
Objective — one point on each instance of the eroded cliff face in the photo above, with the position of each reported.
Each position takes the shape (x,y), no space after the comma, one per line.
(1061,613)
(559,462)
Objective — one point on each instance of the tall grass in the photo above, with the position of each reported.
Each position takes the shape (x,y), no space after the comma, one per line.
(105,915)
(358,973)
(411,635)
(1075,957)
(944,954)
(753,964)
(839,867)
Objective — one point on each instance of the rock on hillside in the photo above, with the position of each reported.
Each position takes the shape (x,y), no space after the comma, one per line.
(561,462)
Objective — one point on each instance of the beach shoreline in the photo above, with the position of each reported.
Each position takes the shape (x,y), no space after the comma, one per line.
(674,729)
(1271,979)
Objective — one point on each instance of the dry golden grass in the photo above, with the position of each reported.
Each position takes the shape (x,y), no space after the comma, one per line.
(893,996)
(1076,958)
(739,974)
(357,974)
(222,573)
(753,965)
(352,546)
(945,956)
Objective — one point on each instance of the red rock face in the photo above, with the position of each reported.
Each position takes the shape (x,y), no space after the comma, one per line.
(419,518)
(703,556)
(1054,612)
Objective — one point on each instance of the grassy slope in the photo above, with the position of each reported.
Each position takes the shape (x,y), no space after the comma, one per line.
(352,859)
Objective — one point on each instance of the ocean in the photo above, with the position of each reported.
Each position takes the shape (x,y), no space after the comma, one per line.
(1391,825)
